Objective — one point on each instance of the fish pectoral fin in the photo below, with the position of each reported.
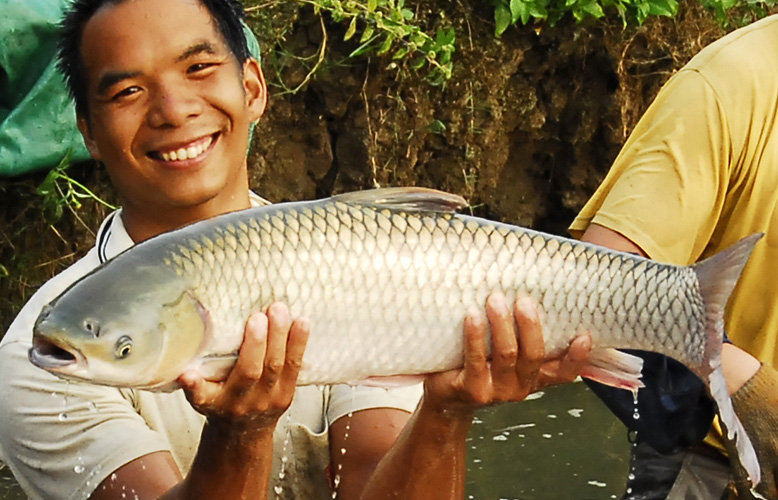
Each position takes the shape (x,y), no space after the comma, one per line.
(391,382)
(614,368)
(216,367)
(409,199)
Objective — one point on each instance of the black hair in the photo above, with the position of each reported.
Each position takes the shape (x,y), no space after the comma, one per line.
(228,16)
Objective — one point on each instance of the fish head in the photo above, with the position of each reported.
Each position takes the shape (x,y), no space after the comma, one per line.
(139,331)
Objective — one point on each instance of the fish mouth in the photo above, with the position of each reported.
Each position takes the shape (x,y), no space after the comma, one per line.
(51,355)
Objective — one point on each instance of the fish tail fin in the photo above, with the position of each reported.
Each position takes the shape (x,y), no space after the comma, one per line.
(717,277)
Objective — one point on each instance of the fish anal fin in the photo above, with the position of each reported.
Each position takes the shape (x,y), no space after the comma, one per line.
(614,368)
(391,382)
(409,199)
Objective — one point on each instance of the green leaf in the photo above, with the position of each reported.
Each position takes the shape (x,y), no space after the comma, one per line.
(362,49)
(352,28)
(437,127)
(386,45)
(400,53)
(517,9)
(369,30)
(418,62)
(666,8)
(502,19)
(371,5)
(594,9)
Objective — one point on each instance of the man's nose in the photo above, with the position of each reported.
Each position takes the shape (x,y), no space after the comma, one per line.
(172,105)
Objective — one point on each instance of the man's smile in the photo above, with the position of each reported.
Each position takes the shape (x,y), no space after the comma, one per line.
(189,151)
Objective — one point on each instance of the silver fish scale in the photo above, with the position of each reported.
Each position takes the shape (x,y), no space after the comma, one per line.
(387,290)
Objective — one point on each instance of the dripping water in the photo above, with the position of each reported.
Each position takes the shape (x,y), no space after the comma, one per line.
(278,489)
(337,478)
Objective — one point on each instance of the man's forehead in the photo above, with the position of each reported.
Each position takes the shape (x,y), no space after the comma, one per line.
(140,30)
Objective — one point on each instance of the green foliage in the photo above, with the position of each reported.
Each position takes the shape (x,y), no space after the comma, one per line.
(509,12)
(388,27)
(59,191)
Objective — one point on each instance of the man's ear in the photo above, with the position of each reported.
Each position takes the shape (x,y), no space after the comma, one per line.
(83,127)
(255,88)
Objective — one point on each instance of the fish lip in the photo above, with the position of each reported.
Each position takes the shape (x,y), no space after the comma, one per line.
(56,356)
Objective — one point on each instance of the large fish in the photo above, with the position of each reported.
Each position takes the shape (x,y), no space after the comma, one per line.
(385,277)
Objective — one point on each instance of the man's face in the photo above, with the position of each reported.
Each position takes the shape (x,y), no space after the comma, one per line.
(169,108)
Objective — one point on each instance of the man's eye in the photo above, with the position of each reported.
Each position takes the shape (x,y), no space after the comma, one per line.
(126,92)
(197,67)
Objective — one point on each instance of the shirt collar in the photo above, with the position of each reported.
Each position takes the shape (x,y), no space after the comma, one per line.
(112,237)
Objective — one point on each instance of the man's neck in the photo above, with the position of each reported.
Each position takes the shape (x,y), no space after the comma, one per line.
(142,224)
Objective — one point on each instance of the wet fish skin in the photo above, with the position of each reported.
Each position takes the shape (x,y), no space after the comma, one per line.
(385,277)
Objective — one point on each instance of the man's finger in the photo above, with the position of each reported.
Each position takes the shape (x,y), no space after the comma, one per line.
(476,374)
(532,349)
(575,358)
(295,348)
(279,323)
(505,346)
(250,364)
(201,394)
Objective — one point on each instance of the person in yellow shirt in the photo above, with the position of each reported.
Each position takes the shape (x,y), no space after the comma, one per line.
(698,173)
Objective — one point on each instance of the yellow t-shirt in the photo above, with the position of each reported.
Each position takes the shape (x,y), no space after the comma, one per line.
(700,172)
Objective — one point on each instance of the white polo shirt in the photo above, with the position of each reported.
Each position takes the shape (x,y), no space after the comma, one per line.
(62,438)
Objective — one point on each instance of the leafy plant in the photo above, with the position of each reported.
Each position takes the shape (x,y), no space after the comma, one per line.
(509,12)
(59,191)
(380,27)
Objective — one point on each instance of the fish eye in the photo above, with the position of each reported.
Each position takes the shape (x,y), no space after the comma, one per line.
(123,347)
(92,327)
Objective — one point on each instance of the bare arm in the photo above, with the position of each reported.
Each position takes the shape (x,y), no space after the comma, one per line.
(236,446)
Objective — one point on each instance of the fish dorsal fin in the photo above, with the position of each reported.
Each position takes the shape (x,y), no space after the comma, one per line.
(410,199)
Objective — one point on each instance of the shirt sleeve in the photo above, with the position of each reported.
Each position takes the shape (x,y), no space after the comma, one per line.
(346,399)
(666,189)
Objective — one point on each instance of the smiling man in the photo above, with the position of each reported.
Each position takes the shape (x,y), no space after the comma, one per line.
(165,95)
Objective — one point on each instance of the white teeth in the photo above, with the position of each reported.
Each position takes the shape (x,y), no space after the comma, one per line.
(186,153)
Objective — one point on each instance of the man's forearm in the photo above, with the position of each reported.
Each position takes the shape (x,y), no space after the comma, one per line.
(429,456)
(229,464)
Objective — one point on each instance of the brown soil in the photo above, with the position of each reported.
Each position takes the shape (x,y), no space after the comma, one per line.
(532,121)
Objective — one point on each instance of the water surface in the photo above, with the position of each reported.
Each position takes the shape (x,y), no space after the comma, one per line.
(563,445)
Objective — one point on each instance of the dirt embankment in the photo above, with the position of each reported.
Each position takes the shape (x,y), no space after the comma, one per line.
(531,122)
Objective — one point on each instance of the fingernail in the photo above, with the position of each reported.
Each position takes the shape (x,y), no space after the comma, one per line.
(258,325)
(497,300)
(525,304)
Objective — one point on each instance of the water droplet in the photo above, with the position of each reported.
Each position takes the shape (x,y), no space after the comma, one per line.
(343,451)
(78,469)
(284,459)
(278,489)
(281,475)
(631,476)
(62,416)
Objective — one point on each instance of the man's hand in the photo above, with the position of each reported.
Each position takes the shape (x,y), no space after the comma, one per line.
(518,364)
(261,385)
